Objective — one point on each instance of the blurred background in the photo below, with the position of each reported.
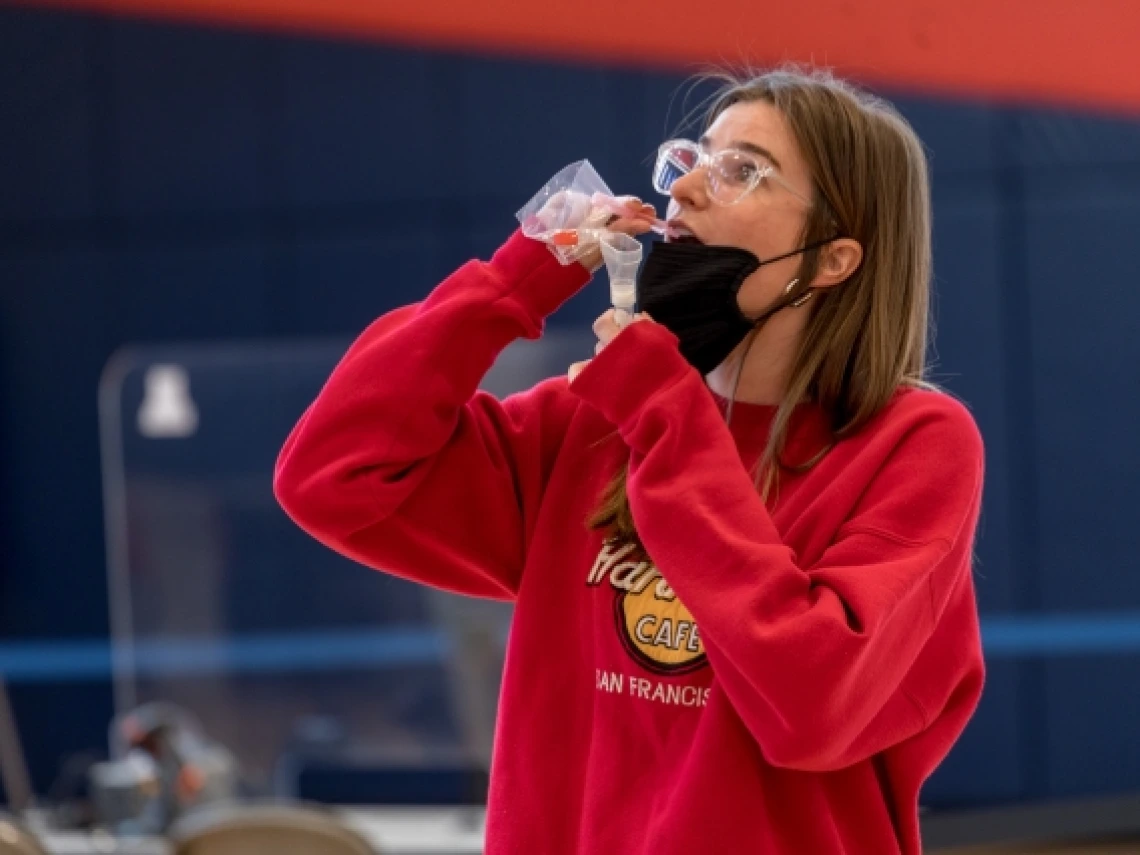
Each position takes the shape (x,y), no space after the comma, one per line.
(201,205)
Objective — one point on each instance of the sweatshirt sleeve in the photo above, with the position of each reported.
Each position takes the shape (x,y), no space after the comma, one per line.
(813,658)
(403,465)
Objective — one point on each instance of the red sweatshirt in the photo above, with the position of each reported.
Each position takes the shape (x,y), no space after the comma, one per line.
(776,679)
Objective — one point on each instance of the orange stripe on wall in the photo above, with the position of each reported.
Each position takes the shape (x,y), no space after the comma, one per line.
(1080,52)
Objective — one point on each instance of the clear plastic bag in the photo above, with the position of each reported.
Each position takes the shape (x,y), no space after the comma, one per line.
(569,214)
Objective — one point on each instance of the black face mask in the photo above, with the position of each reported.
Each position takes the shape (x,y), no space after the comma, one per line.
(691,290)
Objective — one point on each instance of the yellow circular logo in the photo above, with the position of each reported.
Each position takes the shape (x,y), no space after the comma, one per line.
(657,630)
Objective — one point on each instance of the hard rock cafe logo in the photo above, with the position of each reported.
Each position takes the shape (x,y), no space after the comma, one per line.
(654,626)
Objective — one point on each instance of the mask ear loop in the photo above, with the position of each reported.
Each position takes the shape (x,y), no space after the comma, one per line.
(788,300)
(758,324)
(740,371)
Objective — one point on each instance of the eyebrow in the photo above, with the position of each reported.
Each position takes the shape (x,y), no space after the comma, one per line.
(744,145)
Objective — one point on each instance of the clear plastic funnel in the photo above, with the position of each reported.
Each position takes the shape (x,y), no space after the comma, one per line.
(622,255)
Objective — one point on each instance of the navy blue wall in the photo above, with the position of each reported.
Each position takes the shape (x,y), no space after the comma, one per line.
(161,183)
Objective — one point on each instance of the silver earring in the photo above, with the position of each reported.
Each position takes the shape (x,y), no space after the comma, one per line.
(799,301)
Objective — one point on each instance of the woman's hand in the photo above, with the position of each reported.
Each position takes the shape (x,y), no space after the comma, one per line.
(606,328)
(636,219)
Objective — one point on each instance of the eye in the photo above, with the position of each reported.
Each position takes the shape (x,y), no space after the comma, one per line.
(745,172)
(739,169)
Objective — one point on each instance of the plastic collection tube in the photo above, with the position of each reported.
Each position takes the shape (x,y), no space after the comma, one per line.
(622,255)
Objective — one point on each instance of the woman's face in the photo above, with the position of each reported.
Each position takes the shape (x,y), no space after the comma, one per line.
(769,221)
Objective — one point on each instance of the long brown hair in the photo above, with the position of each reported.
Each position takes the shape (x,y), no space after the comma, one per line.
(867,336)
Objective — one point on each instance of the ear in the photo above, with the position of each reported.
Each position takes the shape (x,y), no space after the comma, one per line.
(838,260)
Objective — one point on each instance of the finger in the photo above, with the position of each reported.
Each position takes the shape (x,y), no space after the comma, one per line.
(637,214)
(631,225)
(599,347)
(576,369)
(606,327)
(601,321)
(636,207)
(631,207)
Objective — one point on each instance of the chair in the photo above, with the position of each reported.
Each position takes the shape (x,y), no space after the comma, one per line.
(273,829)
(15,839)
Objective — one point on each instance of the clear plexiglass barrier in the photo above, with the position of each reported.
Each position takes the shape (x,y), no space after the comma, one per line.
(221,605)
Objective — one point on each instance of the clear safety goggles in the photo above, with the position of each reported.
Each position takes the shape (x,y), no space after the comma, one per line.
(730,174)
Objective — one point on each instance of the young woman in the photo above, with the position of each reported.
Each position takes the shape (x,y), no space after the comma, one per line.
(738,540)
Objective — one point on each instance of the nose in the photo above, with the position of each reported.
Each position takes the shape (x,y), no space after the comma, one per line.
(690,190)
